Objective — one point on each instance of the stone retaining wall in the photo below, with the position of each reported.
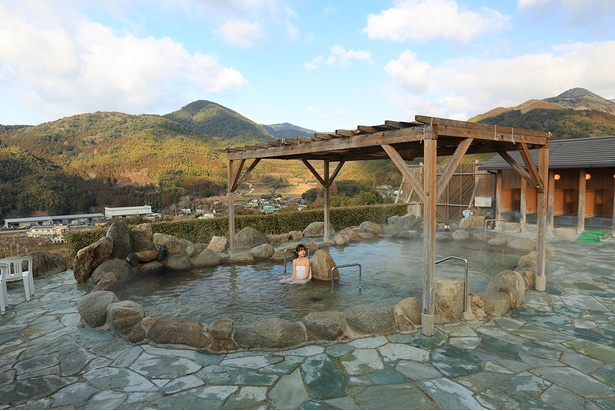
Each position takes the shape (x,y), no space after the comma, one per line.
(103,309)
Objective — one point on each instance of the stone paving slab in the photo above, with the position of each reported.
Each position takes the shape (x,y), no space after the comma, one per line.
(557,352)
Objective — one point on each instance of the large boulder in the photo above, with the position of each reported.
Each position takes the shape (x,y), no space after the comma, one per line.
(174,245)
(177,262)
(371,319)
(221,332)
(178,331)
(249,238)
(122,316)
(263,251)
(270,333)
(109,283)
(473,221)
(510,283)
(460,235)
(371,227)
(411,234)
(119,268)
(151,267)
(241,258)
(392,230)
(278,238)
(90,257)
(317,229)
(448,300)
(142,237)
(341,239)
(93,307)
(322,264)
(532,256)
(119,232)
(325,325)
(46,263)
(218,244)
(295,234)
(523,244)
(410,222)
(206,258)
(408,314)
(495,303)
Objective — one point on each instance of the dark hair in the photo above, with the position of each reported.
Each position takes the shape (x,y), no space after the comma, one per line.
(300,247)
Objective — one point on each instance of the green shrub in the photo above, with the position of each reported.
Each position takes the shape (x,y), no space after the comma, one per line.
(201,231)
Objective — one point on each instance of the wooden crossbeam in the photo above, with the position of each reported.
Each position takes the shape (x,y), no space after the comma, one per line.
(531,167)
(405,170)
(314,172)
(237,179)
(452,165)
(499,132)
(517,167)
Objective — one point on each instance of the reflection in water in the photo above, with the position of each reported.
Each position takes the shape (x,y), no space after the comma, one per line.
(391,271)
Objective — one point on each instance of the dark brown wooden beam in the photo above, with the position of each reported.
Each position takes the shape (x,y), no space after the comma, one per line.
(452,165)
(494,131)
(404,169)
(529,163)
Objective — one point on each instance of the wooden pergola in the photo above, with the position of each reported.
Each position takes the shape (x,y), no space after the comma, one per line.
(426,137)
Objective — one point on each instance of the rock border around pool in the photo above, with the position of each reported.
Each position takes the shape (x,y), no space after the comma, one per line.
(144,252)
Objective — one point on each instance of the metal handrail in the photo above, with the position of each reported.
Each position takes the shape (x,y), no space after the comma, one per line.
(490,220)
(465,278)
(344,266)
(293,250)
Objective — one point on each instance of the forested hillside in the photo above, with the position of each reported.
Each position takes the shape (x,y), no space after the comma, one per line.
(88,161)
(575,113)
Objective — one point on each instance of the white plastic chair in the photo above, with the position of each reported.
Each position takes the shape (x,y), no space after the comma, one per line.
(16,272)
(4,297)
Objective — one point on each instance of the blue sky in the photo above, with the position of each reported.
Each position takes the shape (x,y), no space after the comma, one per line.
(322,65)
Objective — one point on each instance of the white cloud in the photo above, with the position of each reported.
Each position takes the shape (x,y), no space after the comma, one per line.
(466,87)
(424,20)
(339,57)
(242,33)
(596,16)
(78,65)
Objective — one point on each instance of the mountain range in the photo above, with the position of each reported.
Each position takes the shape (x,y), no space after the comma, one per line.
(88,161)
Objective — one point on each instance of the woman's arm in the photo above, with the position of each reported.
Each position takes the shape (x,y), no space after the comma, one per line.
(294,269)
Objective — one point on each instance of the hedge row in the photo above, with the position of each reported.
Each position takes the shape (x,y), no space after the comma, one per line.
(201,231)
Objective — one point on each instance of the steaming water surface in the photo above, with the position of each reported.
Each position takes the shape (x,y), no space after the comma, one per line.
(391,271)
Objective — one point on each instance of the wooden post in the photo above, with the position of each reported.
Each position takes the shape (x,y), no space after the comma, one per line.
(551,202)
(429,233)
(613,230)
(231,207)
(326,193)
(541,241)
(581,206)
(498,195)
(523,205)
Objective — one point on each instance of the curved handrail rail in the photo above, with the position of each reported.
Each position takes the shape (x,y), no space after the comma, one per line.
(465,278)
(344,266)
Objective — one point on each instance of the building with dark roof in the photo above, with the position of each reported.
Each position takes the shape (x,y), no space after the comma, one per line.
(581,185)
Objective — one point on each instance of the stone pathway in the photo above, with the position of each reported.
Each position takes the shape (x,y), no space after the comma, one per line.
(557,352)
